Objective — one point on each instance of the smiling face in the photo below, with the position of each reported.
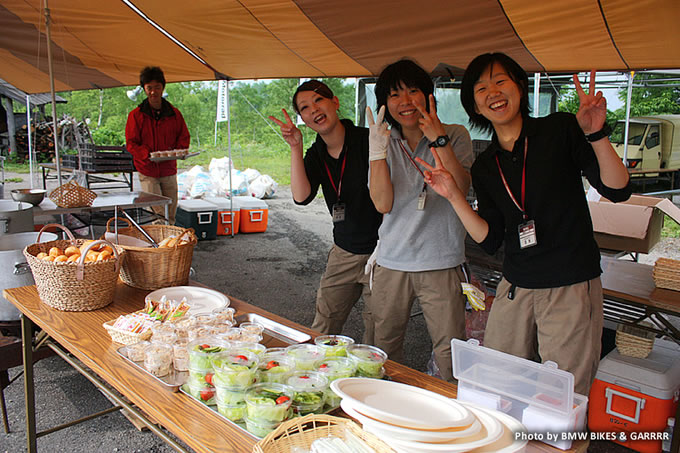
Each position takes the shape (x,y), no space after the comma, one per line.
(318,112)
(401,103)
(498,97)
(154,92)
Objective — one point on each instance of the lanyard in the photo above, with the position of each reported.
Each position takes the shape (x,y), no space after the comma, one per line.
(524,179)
(401,145)
(342,172)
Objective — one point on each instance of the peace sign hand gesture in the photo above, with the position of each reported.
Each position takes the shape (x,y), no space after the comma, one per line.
(378,135)
(440,179)
(429,123)
(592,112)
(291,134)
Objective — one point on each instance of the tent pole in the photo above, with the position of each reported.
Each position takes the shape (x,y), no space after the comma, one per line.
(54,101)
(231,194)
(629,96)
(537,93)
(28,125)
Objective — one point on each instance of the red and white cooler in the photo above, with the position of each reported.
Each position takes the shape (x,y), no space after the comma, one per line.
(634,397)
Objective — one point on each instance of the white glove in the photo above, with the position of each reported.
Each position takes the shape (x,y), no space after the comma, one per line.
(378,135)
(370,265)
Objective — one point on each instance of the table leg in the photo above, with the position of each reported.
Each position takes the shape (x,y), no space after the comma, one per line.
(132,180)
(44,178)
(29,387)
(167,214)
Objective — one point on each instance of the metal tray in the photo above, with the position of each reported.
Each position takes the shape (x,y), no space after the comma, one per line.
(274,333)
(172,381)
(161,159)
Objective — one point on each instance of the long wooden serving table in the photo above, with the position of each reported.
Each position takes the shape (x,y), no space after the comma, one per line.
(82,335)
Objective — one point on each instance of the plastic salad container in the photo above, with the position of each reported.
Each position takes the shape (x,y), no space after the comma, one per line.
(305,355)
(275,367)
(235,368)
(310,392)
(334,345)
(268,404)
(368,359)
(335,368)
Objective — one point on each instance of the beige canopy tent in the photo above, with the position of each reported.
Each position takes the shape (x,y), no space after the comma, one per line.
(105,43)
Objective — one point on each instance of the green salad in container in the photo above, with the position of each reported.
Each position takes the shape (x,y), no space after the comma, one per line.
(368,359)
(334,345)
(235,368)
(234,412)
(275,368)
(266,403)
(335,368)
(305,355)
(202,350)
(310,392)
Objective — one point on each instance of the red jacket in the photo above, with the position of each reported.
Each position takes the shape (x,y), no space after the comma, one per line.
(144,134)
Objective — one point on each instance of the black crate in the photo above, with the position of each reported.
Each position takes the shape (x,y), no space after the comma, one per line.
(109,165)
(69,161)
(105,152)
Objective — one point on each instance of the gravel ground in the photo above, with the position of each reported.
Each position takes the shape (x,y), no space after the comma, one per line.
(278,270)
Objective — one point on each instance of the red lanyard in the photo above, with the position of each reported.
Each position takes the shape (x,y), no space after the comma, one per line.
(524,180)
(411,158)
(342,172)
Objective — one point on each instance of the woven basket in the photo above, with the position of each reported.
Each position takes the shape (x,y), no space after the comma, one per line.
(667,274)
(72,195)
(73,286)
(124,337)
(155,268)
(302,431)
(634,342)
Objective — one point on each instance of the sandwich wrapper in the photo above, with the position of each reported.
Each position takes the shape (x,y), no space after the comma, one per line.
(123,239)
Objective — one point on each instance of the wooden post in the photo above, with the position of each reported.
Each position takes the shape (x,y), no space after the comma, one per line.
(11,125)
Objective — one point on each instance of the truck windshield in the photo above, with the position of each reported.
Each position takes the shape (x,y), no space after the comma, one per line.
(635,134)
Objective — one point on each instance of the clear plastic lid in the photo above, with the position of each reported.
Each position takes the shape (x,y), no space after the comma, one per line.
(307,381)
(541,385)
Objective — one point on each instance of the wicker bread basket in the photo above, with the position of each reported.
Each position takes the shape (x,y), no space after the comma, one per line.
(74,286)
(666,274)
(154,268)
(634,342)
(72,195)
(302,431)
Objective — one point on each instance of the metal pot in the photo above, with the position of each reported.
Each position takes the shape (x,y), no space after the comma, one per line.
(14,270)
(15,217)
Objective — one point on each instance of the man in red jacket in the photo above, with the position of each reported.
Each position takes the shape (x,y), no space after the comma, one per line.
(155,125)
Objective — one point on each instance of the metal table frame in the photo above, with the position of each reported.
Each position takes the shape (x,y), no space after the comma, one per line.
(93,177)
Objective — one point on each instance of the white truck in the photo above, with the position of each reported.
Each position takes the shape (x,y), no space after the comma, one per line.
(653,144)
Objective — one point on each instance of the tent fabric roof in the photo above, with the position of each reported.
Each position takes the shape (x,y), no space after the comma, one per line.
(107,45)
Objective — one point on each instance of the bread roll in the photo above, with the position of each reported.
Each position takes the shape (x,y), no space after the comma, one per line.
(164,242)
(73,258)
(55,252)
(61,259)
(71,250)
(41,255)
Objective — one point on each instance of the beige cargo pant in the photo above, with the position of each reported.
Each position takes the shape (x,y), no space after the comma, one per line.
(341,285)
(441,299)
(165,186)
(561,324)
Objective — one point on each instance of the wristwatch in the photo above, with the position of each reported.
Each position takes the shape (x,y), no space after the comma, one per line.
(602,133)
(440,141)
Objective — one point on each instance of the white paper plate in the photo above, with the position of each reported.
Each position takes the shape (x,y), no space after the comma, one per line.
(402,405)
(508,442)
(492,431)
(201,300)
(386,430)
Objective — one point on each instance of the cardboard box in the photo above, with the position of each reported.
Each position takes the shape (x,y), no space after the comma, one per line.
(632,226)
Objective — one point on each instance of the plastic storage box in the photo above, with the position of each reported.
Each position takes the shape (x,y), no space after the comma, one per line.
(541,396)
(254,215)
(636,396)
(199,215)
(228,215)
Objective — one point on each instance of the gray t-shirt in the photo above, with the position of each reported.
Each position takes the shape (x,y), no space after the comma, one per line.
(431,239)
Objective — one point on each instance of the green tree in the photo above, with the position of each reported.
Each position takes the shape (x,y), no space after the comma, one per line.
(657,98)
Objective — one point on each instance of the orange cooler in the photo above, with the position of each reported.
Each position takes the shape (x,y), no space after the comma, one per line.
(254,214)
(636,396)
(228,215)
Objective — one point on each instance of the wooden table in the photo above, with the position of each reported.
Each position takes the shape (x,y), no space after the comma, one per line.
(203,430)
(93,177)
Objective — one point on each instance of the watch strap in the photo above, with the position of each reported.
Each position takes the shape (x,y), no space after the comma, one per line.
(602,133)
(440,141)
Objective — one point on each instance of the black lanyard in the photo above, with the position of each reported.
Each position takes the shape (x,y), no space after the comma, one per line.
(524,179)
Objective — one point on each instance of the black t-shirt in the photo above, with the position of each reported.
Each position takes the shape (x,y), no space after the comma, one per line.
(558,154)
(358,233)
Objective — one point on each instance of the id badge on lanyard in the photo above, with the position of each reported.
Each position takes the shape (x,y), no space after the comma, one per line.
(338,212)
(422,198)
(339,208)
(527,229)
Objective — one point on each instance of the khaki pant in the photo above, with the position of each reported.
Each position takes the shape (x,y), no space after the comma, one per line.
(443,303)
(341,285)
(165,186)
(561,324)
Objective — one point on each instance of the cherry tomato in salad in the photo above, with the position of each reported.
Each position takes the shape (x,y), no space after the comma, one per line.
(207,394)
(242,358)
(282,399)
(209,378)
(205,346)
(323,366)
(272,364)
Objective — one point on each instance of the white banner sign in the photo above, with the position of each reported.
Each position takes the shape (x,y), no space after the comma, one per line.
(222,101)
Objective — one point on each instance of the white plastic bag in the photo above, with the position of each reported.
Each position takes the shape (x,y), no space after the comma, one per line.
(263,187)
(184,182)
(222,165)
(251,174)
(201,186)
